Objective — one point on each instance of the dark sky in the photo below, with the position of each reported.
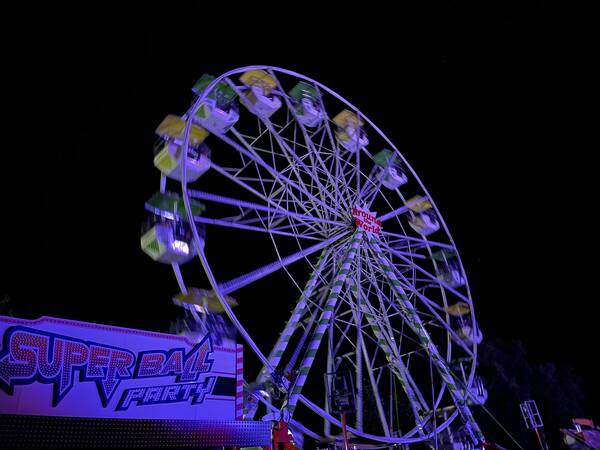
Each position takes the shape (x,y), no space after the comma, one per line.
(483,104)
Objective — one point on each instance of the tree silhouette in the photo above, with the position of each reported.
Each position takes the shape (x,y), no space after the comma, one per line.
(512,378)
(5,306)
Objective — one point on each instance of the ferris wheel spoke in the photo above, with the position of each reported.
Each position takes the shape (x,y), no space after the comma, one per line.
(374,183)
(254,191)
(284,266)
(357,198)
(375,390)
(282,196)
(343,339)
(279,223)
(313,154)
(295,423)
(284,147)
(237,171)
(263,182)
(359,342)
(392,350)
(266,151)
(430,276)
(381,297)
(334,146)
(340,184)
(322,175)
(328,381)
(384,341)
(269,223)
(322,191)
(415,323)
(245,204)
(370,189)
(310,321)
(425,242)
(348,170)
(250,277)
(179,278)
(284,154)
(282,223)
(225,305)
(394,440)
(402,210)
(245,218)
(291,205)
(431,305)
(294,322)
(284,181)
(406,254)
(323,322)
(262,133)
(240,226)
(357,154)
(331,184)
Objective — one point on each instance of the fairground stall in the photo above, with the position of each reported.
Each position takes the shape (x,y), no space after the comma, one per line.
(74,384)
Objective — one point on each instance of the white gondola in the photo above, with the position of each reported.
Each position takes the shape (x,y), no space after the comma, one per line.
(169,241)
(448,268)
(352,138)
(169,161)
(167,236)
(391,173)
(478,393)
(393,177)
(349,133)
(195,326)
(469,333)
(309,113)
(259,97)
(424,223)
(451,276)
(307,104)
(216,119)
(206,315)
(262,105)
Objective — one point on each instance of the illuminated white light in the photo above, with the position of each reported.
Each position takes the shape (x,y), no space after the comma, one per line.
(181,246)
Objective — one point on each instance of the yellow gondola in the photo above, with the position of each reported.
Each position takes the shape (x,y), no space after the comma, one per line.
(259,78)
(205,299)
(174,127)
(418,204)
(346,118)
(458,309)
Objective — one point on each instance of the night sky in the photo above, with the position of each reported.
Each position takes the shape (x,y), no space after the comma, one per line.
(482,104)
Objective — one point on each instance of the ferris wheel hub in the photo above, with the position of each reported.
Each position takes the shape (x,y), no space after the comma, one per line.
(366,220)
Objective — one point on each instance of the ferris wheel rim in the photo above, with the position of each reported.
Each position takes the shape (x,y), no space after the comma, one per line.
(185,195)
(198,101)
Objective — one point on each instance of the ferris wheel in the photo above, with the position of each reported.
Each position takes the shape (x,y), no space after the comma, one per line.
(293,200)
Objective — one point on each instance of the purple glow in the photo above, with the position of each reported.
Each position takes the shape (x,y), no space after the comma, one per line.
(57,367)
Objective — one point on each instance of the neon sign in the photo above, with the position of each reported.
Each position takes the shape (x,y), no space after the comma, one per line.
(366,220)
(156,369)
(30,355)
